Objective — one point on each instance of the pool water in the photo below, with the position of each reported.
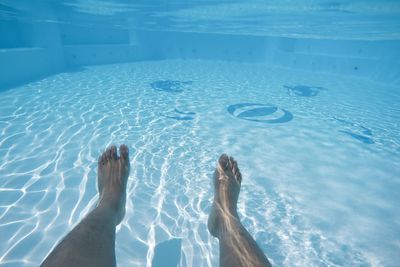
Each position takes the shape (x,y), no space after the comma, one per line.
(319,156)
(304,94)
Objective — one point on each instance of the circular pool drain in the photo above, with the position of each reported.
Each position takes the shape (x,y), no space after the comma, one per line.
(260,113)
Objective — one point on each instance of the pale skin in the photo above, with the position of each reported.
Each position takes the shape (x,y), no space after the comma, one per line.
(92,241)
(236,245)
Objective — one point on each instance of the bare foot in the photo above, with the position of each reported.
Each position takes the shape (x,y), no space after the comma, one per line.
(113,172)
(227,180)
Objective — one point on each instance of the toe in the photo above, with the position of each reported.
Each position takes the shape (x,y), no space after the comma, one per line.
(108,153)
(124,152)
(112,152)
(231,162)
(224,161)
(100,163)
(124,157)
(104,158)
(238,175)
(236,172)
(234,167)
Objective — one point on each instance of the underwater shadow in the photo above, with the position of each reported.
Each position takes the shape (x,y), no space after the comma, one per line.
(365,139)
(167,253)
(23,82)
(74,69)
(303,90)
(170,86)
(358,132)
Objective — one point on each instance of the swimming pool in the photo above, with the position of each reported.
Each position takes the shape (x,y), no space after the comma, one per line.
(318,149)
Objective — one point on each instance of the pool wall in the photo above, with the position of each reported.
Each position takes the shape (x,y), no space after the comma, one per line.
(378,60)
(29,51)
(34,48)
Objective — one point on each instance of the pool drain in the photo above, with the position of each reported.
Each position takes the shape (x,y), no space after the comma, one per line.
(264,113)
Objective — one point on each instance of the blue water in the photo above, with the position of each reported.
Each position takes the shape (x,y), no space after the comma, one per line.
(318,147)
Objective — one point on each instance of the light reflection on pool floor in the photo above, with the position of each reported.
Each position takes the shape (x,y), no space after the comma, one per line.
(312,194)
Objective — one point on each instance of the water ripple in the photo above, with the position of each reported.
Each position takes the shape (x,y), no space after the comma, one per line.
(303,193)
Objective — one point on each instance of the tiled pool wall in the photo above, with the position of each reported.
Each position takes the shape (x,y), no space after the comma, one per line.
(28,50)
(31,51)
(377,60)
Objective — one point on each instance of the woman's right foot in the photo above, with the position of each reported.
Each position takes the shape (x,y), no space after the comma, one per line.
(112,175)
(227,181)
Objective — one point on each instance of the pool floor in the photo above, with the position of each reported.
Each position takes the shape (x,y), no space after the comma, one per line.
(319,156)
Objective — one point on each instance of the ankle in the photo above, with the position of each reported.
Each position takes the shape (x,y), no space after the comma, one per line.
(108,204)
(221,218)
(106,213)
(228,227)
(227,209)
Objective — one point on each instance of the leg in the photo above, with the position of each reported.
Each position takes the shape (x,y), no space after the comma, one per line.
(237,247)
(92,241)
